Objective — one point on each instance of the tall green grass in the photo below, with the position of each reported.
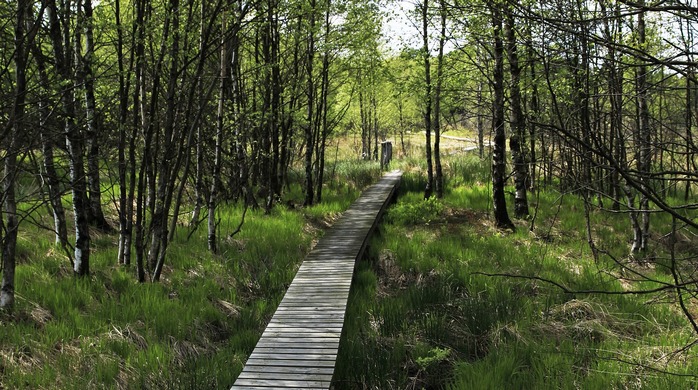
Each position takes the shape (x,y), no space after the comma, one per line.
(424,313)
(193,330)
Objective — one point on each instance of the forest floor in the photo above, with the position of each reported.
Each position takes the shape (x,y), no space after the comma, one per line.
(446,300)
(425,310)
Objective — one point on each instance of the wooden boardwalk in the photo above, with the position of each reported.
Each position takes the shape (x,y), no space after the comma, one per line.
(298,349)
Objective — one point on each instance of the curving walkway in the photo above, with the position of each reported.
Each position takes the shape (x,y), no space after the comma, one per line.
(298,349)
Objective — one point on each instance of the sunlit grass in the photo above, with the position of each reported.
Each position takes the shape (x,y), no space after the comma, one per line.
(194,329)
(425,311)
(422,312)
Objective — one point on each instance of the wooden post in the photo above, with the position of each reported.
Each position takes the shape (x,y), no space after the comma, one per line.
(386,153)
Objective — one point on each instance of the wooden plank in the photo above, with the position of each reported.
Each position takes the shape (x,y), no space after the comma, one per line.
(284,383)
(282,339)
(282,333)
(298,351)
(300,292)
(314,357)
(287,316)
(289,363)
(298,348)
(290,370)
(298,328)
(236,387)
(300,303)
(291,376)
(297,290)
(310,309)
(298,344)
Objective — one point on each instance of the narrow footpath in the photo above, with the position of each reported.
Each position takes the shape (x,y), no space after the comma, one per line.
(299,347)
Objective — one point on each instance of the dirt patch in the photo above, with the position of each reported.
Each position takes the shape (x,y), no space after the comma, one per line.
(684,241)
(186,351)
(21,357)
(463,216)
(40,316)
(128,334)
(392,279)
(585,321)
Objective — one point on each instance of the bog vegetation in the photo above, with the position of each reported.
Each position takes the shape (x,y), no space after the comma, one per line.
(167,164)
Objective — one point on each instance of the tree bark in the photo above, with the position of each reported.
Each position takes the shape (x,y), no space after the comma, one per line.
(97,218)
(534,117)
(309,126)
(517,139)
(199,174)
(47,148)
(480,114)
(74,139)
(439,178)
(324,97)
(428,190)
(501,215)
(644,158)
(216,174)
(125,207)
(165,179)
(15,128)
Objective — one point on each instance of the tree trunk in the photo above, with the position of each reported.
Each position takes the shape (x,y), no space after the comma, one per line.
(165,179)
(374,108)
(14,129)
(137,176)
(534,117)
(501,215)
(427,104)
(365,136)
(644,159)
(309,146)
(47,146)
(216,174)
(11,226)
(274,190)
(125,207)
(240,167)
(439,178)
(199,180)
(324,97)
(480,120)
(74,140)
(94,183)
(517,139)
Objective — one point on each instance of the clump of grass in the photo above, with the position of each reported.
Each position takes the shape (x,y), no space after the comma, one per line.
(359,173)
(414,213)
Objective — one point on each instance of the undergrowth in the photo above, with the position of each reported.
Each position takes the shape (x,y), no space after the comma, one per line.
(431,306)
(193,330)
(425,310)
